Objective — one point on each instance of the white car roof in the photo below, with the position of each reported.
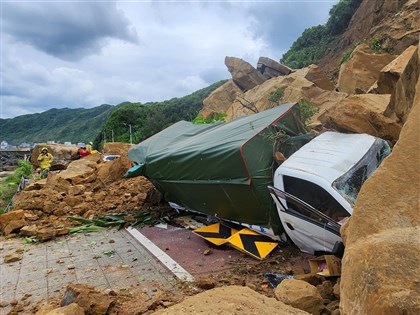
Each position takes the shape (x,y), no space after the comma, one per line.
(330,154)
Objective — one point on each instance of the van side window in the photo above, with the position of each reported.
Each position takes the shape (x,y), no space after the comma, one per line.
(316,196)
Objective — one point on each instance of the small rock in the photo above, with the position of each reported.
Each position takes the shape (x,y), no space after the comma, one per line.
(12,257)
(205,283)
(111,241)
(60,261)
(70,267)
(14,302)
(19,250)
(3,304)
(207,252)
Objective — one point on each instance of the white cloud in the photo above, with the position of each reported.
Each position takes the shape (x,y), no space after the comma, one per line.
(84,54)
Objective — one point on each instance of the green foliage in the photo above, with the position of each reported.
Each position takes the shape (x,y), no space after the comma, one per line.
(75,125)
(9,185)
(307,110)
(214,118)
(150,118)
(276,96)
(348,52)
(378,46)
(314,42)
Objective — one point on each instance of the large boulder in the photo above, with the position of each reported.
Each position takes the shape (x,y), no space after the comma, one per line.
(316,75)
(63,155)
(119,148)
(220,99)
(381,261)
(363,114)
(295,86)
(361,71)
(230,300)
(404,71)
(243,74)
(12,221)
(300,294)
(271,68)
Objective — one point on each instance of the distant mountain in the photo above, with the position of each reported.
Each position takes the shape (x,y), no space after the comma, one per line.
(103,122)
(75,125)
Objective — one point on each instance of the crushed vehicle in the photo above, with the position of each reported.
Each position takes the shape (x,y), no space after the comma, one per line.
(228,171)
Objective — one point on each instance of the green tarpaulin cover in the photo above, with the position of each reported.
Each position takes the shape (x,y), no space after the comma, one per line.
(221,169)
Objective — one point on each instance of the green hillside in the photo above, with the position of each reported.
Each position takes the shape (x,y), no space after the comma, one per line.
(82,125)
(75,125)
(150,118)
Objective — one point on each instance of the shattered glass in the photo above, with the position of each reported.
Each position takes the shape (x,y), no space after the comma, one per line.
(349,184)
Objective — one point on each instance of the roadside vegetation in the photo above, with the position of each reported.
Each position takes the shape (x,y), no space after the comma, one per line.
(315,41)
(144,120)
(10,184)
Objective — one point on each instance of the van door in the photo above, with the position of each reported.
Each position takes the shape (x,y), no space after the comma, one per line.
(309,229)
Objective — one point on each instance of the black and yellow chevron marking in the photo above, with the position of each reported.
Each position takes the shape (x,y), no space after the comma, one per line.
(216,233)
(252,243)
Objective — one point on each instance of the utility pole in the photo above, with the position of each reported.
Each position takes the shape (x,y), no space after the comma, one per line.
(131,136)
(112,135)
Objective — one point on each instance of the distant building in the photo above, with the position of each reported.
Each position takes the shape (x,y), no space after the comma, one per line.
(50,142)
(4,145)
(67,143)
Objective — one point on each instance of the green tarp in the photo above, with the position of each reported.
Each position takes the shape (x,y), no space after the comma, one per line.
(220,169)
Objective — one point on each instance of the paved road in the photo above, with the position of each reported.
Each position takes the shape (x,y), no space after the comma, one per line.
(109,259)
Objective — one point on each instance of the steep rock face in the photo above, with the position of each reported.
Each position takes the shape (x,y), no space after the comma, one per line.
(396,24)
(362,70)
(243,74)
(363,114)
(399,78)
(381,261)
(220,99)
(295,88)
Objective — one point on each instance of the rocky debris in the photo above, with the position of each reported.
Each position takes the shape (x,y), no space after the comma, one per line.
(63,155)
(301,295)
(9,160)
(363,114)
(205,283)
(71,309)
(12,221)
(88,188)
(119,148)
(243,74)
(12,257)
(312,278)
(316,75)
(399,79)
(381,260)
(326,290)
(361,71)
(220,99)
(295,88)
(86,297)
(271,68)
(239,300)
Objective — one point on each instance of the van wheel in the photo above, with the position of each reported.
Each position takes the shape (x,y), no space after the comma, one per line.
(338,249)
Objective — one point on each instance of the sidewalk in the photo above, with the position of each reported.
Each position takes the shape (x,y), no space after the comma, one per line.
(109,259)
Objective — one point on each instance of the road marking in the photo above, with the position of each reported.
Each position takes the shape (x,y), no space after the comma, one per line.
(164,258)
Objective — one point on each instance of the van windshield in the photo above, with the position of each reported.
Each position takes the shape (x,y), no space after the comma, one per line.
(349,184)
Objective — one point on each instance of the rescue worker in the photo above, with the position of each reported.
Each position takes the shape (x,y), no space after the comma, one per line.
(82,152)
(45,160)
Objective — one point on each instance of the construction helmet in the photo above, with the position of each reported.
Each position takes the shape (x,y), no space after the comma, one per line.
(44,148)
(90,142)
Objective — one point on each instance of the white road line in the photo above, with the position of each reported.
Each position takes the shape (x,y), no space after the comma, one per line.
(171,264)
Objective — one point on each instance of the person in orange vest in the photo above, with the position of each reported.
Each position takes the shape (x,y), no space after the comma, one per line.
(82,152)
(45,160)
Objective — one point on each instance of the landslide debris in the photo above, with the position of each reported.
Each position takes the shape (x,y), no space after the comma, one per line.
(89,188)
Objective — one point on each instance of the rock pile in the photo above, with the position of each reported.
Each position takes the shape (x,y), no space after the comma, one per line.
(87,188)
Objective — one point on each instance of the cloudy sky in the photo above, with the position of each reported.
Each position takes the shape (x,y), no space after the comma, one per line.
(87,53)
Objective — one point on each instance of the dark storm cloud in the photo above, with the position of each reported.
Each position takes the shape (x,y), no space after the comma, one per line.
(68,31)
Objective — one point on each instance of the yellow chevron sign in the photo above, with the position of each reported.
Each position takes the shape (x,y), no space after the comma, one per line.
(246,240)
(252,243)
(216,233)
